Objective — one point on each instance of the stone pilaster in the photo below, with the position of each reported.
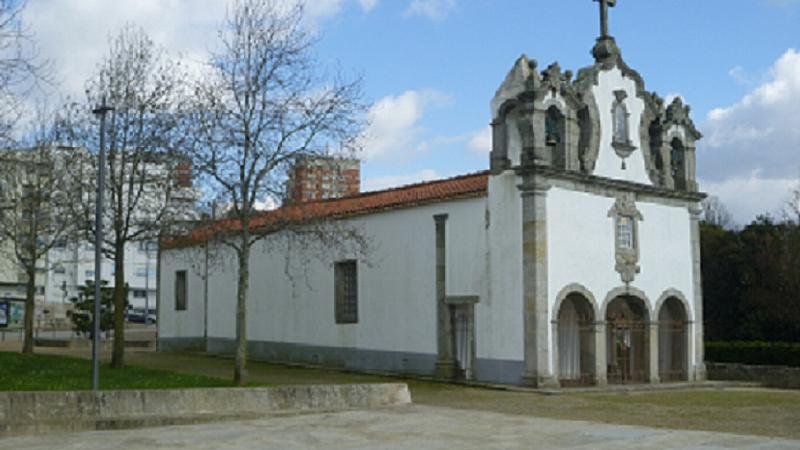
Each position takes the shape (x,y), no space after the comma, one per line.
(691,164)
(572,143)
(445,362)
(600,354)
(697,285)
(499,157)
(666,170)
(534,284)
(653,375)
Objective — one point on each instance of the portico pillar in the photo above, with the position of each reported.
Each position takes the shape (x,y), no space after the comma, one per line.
(600,354)
(445,363)
(652,329)
(537,372)
(699,372)
(556,350)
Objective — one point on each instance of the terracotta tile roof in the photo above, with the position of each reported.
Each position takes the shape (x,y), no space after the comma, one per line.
(464,186)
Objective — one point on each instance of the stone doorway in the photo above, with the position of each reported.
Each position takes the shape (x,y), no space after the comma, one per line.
(672,341)
(463,329)
(627,340)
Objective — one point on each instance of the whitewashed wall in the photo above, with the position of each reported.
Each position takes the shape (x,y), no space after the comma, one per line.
(581,244)
(499,315)
(608,164)
(397,308)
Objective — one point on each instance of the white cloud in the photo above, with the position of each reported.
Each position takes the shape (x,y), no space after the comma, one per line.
(394,124)
(750,195)
(738,73)
(481,141)
(391,181)
(432,9)
(368,5)
(756,142)
(73,33)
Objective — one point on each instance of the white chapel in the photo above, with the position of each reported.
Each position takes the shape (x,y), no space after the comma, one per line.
(573,260)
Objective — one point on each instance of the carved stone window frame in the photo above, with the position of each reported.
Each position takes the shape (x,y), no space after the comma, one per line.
(623,148)
(626,259)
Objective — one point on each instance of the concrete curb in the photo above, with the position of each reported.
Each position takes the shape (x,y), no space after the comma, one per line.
(47,412)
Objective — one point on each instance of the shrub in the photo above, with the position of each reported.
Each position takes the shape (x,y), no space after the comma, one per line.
(754,352)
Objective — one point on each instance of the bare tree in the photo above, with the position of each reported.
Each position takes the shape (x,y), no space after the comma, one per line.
(20,67)
(147,182)
(263,103)
(36,197)
(715,213)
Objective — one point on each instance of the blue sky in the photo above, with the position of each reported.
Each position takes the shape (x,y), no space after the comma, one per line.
(432,66)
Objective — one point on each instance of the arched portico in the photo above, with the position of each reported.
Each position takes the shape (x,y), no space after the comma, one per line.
(673,340)
(574,330)
(628,339)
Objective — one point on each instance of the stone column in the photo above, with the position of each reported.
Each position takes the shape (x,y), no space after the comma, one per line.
(534,285)
(499,158)
(600,354)
(554,346)
(699,350)
(691,163)
(445,363)
(666,160)
(652,329)
(572,142)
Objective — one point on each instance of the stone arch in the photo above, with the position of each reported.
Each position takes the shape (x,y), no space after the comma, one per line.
(506,107)
(678,295)
(574,288)
(573,326)
(673,315)
(589,126)
(627,315)
(623,291)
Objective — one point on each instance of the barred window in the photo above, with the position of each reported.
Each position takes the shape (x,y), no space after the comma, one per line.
(625,238)
(346,292)
(180,290)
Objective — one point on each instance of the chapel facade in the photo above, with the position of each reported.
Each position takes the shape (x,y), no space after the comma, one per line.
(573,260)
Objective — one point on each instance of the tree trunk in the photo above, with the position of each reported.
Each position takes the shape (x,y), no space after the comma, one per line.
(240,372)
(30,310)
(120,297)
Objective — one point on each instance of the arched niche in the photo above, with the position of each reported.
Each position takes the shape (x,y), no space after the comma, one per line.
(678,164)
(673,340)
(627,339)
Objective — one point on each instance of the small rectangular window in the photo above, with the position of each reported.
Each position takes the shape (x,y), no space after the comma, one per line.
(180,290)
(346,292)
(625,233)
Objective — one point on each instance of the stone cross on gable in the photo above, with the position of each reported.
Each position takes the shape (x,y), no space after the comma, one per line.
(604,4)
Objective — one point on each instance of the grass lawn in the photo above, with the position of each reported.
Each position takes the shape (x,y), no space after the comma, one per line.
(766,412)
(39,372)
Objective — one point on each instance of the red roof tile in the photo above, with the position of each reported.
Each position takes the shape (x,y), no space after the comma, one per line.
(464,186)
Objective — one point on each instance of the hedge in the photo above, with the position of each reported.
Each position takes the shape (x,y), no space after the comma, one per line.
(754,353)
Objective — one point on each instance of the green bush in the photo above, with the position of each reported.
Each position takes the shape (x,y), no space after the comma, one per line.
(754,352)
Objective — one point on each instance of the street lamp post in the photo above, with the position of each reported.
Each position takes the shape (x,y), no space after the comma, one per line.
(98,242)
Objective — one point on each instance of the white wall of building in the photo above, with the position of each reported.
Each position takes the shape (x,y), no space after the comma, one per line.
(609,164)
(581,248)
(74,265)
(397,293)
(499,319)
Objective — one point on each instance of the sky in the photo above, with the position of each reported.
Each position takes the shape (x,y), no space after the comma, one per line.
(430,68)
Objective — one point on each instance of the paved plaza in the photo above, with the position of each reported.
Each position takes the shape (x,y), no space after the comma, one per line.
(408,427)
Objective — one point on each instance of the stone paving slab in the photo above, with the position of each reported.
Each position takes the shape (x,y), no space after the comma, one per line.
(404,427)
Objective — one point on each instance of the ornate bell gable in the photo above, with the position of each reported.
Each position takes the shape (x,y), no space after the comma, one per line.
(603,123)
